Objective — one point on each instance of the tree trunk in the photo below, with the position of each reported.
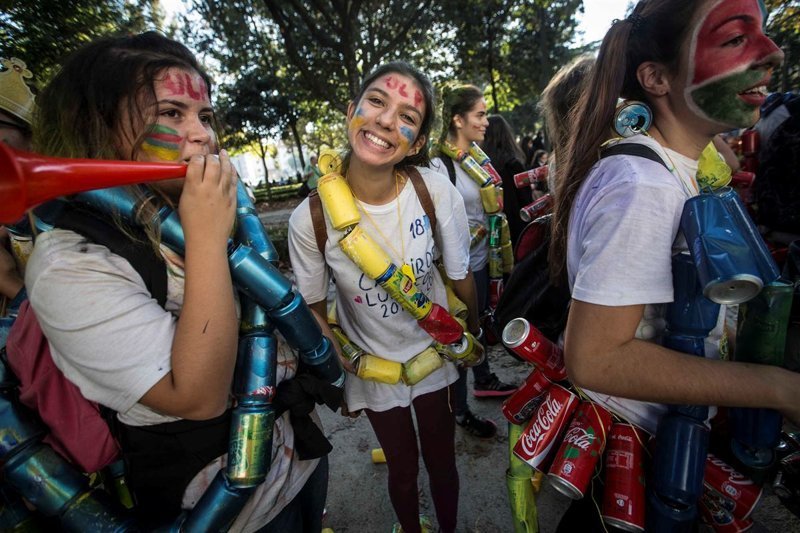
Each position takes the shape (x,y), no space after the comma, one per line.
(296,135)
(262,151)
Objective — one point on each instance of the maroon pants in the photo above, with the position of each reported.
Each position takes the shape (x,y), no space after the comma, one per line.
(395,431)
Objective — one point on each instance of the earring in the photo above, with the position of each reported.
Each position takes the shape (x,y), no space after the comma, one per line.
(632,117)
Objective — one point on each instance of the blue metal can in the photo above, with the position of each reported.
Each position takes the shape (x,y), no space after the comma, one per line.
(680,458)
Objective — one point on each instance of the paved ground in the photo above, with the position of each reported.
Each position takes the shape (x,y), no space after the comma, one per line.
(358,500)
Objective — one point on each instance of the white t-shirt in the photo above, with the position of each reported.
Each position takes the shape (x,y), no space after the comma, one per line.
(470,191)
(367,314)
(623,231)
(113,341)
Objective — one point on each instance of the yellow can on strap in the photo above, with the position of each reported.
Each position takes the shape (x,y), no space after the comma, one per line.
(421,366)
(403,290)
(489,199)
(337,199)
(374,368)
(505,231)
(365,253)
(507,251)
(329,161)
(455,306)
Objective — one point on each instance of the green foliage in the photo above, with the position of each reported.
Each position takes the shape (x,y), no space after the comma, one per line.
(783,27)
(43,32)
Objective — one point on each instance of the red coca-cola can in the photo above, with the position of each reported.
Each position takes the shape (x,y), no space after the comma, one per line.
(580,450)
(537,208)
(623,496)
(441,326)
(529,177)
(495,290)
(531,345)
(750,142)
(496,179)
(519,407)
(721,520)
(540,438)
(732,485)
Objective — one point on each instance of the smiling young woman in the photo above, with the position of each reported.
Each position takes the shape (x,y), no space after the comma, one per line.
(388,124)
(615,227)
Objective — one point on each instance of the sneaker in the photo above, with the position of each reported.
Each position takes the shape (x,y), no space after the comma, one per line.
(477,426)
(424,523)
(492,387)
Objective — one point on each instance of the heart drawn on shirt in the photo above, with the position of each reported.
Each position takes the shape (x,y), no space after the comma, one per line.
(358,300)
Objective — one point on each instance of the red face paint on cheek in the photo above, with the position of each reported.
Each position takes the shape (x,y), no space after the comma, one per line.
(729,39)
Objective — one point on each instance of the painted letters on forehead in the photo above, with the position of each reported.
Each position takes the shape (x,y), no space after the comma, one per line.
(710,56)
(393,83)
(180,83)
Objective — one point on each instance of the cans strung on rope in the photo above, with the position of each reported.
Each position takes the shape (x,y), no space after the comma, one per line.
(457,308)
(495,230)
(530,177)
(491,199)
(421,366)
(531,345)
(477,233)
(451,151)
(580,450)
(624,494)
(519,407)
(337,198)
(250,449)
(478,154)
(740,492)
(537,208)
(476,172)
(441,326)
(367,254)
(505,231)
(400,287)
(466,352)
(495,263)
(373,368)
(507,253)
(540,439)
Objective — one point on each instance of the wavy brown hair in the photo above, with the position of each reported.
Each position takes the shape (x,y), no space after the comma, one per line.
(661,29)
(104,96)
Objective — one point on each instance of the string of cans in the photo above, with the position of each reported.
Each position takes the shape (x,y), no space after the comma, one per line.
(478,166)
(451,339)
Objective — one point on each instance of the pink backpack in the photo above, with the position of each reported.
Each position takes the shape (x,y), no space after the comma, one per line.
(78,430)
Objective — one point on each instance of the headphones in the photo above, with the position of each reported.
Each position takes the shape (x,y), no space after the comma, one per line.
(632,117)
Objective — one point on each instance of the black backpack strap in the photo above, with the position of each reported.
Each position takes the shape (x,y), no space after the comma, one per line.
(451,168)
(135,248)
(636,149)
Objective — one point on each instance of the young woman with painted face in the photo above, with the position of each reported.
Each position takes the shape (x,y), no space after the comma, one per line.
(702,67)
(388,124)
(145,98)
(465,121)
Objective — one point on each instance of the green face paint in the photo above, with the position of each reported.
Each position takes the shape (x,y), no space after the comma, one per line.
(720,100)
(162,143)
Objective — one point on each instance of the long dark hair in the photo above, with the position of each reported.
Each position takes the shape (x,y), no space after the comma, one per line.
(661,28)
(421,158)
(104,94)
(499,143)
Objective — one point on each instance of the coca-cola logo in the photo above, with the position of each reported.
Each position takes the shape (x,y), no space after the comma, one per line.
(580,438)
(545,417)
(734,477)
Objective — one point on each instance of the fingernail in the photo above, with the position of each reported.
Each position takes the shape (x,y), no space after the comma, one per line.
(197,158)
(223,152)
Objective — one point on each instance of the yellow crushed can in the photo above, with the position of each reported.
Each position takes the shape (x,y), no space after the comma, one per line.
(374,368)
(505,231)
(421,366)
(489,199)
(329,161)
(365,253)
(378,457)
(507,251)
(337,199)
(455,306)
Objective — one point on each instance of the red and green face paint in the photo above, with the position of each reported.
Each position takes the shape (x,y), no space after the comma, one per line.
(162,143)
(730,60)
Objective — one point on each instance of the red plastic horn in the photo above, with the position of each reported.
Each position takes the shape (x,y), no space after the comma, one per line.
(28,179)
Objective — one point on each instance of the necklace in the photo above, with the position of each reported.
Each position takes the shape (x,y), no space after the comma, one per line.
(405,268)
